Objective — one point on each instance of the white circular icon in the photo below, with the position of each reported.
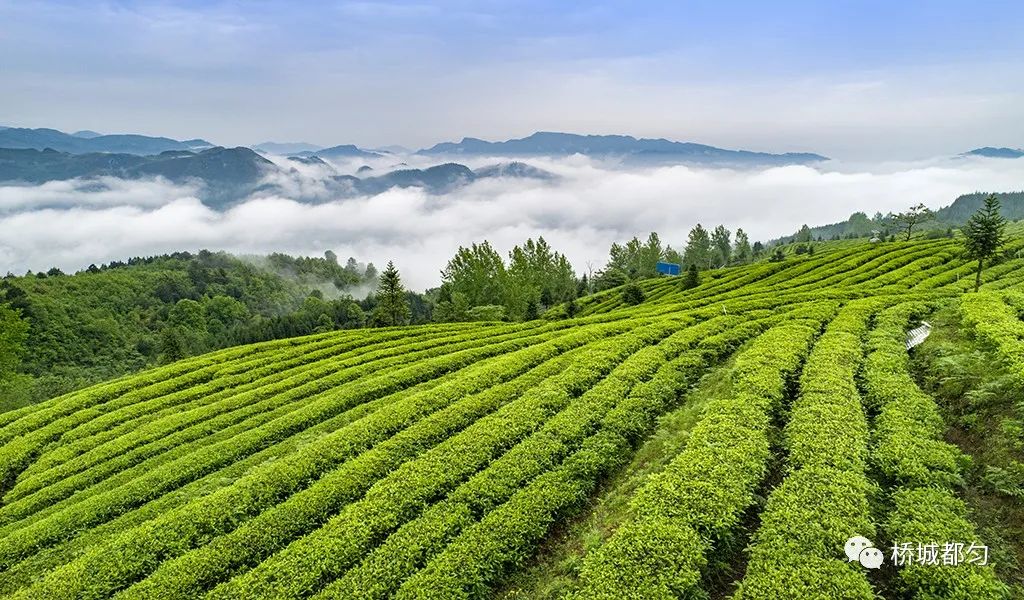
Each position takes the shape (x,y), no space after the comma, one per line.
(856,545)
(871,558)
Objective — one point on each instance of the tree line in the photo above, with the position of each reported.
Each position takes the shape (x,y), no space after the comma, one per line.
(59,332)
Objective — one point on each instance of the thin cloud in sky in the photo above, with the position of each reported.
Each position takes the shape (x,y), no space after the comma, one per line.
(867,80)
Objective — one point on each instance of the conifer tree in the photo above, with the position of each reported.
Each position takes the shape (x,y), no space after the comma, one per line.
(392,307)
(984,235)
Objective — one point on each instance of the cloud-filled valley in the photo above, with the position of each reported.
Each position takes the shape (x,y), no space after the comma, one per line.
(586,206)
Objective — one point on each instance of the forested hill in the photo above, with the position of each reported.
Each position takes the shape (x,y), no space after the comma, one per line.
(118,318)
(956,214)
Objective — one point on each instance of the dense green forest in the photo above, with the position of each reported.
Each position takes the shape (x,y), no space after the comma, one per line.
(120,317)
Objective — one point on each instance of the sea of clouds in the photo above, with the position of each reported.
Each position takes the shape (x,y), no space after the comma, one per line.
(591,204)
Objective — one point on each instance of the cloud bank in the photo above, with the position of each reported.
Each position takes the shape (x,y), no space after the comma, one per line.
(72,224)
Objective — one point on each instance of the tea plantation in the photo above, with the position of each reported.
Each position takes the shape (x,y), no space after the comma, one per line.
(440,461)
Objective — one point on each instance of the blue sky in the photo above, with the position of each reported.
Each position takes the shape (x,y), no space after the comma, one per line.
(856,80)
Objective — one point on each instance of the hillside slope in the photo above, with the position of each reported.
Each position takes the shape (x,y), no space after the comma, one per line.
(432,461)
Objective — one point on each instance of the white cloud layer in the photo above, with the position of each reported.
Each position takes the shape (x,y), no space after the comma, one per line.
(73,224)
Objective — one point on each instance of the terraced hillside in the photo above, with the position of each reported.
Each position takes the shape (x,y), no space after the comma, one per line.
(434,462)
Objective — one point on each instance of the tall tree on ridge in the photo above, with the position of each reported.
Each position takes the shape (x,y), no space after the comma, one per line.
(698,248)
(984,235)
(741,250)
(722,243)
(392,307)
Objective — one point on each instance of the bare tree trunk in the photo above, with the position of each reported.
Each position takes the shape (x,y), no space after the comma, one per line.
(977,277)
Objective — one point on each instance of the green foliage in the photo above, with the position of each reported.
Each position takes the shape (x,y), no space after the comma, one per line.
(692,277)
(13,333)
(430,461)
(984,235)
(535,279)
(721,244)
(741,251)
(105,322)
(478,273)
(488,312)
(632,294)
(702,493)
(699,248)
(913,217)
(392,308)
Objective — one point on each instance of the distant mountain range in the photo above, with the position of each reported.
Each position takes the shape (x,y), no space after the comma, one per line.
(343,151)
(85,142)
(227,173)
(991,152)
(442,179)
(629,149)
(231,174)
(623,146)
(284,148)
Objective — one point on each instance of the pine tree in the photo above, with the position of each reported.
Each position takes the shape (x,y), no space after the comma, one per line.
(392,307)
(692,277)
(984,235)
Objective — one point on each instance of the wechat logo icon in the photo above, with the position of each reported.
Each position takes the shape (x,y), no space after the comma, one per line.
(860,549)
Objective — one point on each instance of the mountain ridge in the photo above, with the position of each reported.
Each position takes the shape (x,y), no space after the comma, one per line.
(550,143)
(142,145)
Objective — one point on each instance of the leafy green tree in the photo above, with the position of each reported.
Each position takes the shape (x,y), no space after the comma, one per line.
(173,344)
(392,307)
(610,278)
(804,235)
(698,248)
(721,243)
(692,277)
(758,249)
(478,273)
(632,294)
(916,215)
(189,320)
(532,310)
(487,312)
(742,253)
(984,235)
(650,254)
(572,308)
(673,256)
(636,259)
(13,335)
(539,276)
(324,323)
(224,312)
(452,307)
